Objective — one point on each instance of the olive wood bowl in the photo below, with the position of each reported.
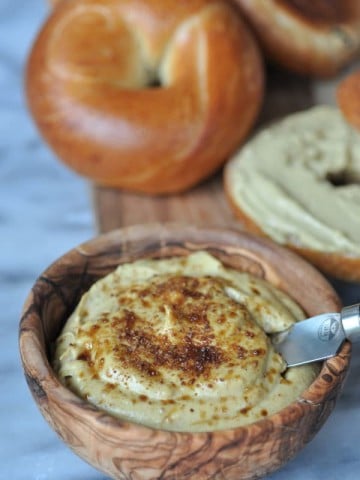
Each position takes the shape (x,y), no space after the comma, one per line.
(126,450)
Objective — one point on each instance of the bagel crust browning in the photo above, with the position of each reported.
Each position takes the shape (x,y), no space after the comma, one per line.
(348,98)
(151,96)
(344,267)
(311,37)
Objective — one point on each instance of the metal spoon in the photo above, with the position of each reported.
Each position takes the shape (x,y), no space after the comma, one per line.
(318,338)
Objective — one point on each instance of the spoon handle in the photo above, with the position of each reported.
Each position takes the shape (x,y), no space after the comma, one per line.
(350,317)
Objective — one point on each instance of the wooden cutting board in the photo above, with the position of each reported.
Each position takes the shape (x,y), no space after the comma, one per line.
(206,205)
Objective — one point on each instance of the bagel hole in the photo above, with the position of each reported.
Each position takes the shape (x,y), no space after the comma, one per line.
(341,179)
(155,83)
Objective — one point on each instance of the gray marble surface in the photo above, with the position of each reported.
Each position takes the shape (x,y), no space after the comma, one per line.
(44,211)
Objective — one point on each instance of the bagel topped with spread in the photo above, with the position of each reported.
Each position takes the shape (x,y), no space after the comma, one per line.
(298,182)
(151,96)
(311,37)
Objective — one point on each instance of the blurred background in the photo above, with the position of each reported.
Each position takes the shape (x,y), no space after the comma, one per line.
(44,211)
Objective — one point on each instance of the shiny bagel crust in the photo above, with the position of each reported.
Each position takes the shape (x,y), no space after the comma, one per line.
(151,96)
(310,37)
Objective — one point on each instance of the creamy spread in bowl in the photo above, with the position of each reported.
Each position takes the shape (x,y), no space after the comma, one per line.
(181,344)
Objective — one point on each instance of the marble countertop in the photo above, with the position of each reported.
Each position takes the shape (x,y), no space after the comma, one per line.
(44,211)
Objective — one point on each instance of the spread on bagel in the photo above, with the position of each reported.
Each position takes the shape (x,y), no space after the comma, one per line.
(181,344)
(298,182)
(145,95)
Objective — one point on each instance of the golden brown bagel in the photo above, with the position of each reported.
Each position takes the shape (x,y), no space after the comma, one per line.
(348,98)
(149,95)
(311,37)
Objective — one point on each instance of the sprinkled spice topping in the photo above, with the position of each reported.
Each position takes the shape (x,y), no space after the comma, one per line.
(186,341)
(179,344)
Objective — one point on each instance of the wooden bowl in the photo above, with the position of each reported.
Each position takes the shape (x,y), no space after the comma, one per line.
(129,451)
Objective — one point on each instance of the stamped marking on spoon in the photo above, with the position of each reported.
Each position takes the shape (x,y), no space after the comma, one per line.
(319,337)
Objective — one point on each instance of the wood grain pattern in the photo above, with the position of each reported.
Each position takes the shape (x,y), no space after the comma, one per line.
(205,204)
(129,451)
